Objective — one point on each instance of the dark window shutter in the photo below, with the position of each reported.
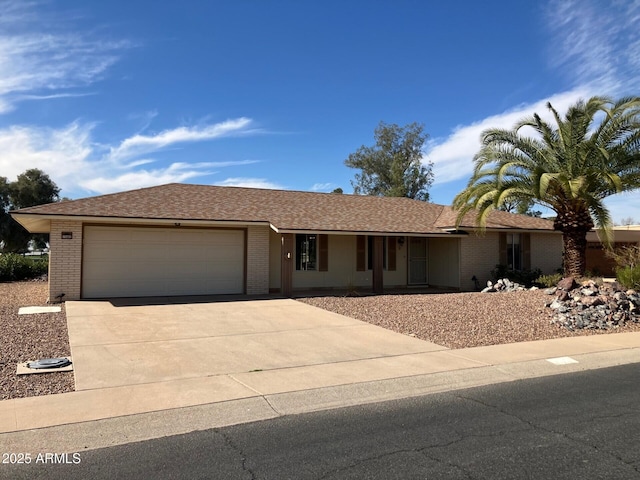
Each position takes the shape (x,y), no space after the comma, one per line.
(502,260)
(361,241)
(525,240)
(391,253)
(323,251)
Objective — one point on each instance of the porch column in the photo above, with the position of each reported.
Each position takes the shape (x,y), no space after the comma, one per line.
(286,265)
(378,259)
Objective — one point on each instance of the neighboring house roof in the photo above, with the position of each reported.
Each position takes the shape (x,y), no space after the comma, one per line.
(284,210)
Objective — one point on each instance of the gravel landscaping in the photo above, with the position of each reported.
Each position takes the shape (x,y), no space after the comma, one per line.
(30,337)
(459,320)
(455,320)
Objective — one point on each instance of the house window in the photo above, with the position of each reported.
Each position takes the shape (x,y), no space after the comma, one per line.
(370,253)
(514,251)
(306,252)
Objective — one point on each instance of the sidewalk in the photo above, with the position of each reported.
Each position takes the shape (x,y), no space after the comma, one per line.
(250,396)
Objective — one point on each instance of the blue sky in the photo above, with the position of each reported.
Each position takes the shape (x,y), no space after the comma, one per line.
(111,96)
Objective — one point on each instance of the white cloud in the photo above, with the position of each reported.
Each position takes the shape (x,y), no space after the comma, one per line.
(143,144)
(43,57)
(37,62)
(597,46)
(250,183)
(62,153)
(141,178)
(321,187)
(596,43)
(453,156)
(72,159)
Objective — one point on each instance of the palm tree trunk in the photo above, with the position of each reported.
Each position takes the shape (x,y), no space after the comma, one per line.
(575,252)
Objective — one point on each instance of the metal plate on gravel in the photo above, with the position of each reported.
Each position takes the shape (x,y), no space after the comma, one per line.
(47,366)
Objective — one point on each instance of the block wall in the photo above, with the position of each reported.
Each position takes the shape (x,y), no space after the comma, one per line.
(479,254)
(65,260)
(257,260)
(546,252)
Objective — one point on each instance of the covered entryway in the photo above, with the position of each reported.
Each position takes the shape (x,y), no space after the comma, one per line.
(141,261)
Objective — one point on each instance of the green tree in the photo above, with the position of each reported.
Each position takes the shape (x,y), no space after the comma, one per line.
(569,166)
(394,166)
(33,187)
(523,208)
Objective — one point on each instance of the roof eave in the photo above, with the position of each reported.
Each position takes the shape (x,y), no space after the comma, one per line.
(501,229)
(366,232)
(41,223)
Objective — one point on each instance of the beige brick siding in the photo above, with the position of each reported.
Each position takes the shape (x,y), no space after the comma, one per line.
(546,252)
(257,260)
(65,260)
(479,254)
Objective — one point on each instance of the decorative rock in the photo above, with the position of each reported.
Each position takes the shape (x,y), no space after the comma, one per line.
(550,291)
(503,285)
(567,284)
(593,306)
(591,301)
(620,296)
(555,305)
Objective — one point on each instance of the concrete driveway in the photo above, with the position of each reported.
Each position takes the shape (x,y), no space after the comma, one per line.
(135,343)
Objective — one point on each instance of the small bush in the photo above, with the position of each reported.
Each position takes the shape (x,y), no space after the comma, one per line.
(548,280)
(629,277)
(626,256)
(39,266)
(523,277)
(627,260)
(14,267)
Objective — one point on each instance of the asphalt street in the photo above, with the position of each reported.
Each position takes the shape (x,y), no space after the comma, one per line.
(580,425)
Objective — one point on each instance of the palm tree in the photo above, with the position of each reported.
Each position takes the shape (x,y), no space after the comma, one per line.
(568,167)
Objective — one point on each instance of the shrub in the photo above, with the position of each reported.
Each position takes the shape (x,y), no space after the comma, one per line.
(629,277)
(627,260)
(14,266)
(523,277)
(39,266)
(549,280)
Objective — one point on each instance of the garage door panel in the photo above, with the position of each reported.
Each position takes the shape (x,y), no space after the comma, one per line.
(128,261)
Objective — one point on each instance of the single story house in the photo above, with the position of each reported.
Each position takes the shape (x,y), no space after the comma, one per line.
(180,239)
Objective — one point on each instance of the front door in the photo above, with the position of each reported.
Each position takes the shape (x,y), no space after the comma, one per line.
(418,253)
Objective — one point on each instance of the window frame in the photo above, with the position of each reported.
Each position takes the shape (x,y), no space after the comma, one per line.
(515,258)
(301,265)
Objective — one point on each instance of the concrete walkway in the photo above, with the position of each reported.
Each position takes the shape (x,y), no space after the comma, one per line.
(370,366)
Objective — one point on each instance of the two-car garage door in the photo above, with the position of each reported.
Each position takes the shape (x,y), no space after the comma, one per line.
(139,262)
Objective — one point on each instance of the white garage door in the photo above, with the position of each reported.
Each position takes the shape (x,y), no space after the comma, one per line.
(141,262)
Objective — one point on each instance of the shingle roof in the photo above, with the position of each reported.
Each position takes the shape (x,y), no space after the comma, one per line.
(285,210)
(496,219)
